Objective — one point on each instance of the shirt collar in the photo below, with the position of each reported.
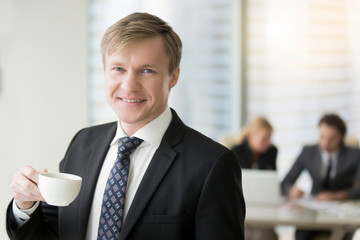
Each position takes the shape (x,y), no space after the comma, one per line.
(326,156)
(152,132)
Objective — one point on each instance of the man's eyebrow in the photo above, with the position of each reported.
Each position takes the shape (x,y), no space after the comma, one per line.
(148,66)
(116,63)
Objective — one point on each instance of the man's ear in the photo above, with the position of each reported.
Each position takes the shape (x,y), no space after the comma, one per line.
(174,77)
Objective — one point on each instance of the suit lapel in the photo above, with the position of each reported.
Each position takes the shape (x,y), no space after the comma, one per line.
(318,165)
(158,167)
(93,168)
(341,161)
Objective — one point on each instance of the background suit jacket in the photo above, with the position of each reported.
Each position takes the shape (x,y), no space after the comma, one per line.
(267,160)
(191,190)
(347,171)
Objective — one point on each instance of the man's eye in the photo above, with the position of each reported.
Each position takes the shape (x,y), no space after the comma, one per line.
(118,69)
(148,71)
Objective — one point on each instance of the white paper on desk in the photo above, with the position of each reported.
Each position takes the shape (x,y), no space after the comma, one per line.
(313,204)
(345,210)
(335,208)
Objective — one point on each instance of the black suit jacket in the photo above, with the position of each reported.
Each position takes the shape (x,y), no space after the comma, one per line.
(191,190)
(267,160)
(347,171)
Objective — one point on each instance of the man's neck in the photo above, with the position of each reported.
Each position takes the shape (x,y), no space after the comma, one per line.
(131,128)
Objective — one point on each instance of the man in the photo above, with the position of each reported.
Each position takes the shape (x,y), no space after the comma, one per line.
(334,168)
(179,184)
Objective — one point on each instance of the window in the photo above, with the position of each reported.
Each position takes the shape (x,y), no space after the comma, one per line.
(302,61)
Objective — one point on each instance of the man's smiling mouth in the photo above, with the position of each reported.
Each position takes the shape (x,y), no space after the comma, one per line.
(132,100)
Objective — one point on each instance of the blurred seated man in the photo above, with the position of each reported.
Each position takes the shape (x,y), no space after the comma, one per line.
(333,167)
(255,150)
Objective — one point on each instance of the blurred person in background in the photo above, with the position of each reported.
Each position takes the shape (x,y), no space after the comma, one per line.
(255,151)
(333,167)
(254,148)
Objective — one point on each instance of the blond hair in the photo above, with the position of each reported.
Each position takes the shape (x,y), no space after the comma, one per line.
(257,125)
(138,26)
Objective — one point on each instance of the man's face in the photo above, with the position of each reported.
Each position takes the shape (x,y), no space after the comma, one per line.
(138,82)
(330,138)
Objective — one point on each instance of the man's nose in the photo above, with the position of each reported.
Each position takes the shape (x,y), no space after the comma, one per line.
(130,81)
(327,144)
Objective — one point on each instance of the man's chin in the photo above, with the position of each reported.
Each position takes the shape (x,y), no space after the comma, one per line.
(135,122)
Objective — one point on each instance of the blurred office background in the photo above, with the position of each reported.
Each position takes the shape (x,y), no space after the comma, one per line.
(290,61)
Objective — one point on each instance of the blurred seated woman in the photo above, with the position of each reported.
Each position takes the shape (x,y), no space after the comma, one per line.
(255,150)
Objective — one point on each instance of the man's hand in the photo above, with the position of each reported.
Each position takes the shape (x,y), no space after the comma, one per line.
(295,193)
(24,187)
(331,196)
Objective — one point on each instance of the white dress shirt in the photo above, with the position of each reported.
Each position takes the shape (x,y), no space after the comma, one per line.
(152,134)
(325,158)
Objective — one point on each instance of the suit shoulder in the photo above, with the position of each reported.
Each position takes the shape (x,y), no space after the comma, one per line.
(203,142)
(203,153)
(240,149)
(98,128)
(94,131)
(352,150)
(190,142)
(310,148)
(240,146)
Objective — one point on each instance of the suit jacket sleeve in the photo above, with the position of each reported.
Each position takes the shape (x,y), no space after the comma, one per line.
(221,208)
(293,174)
(41,225)
(354,191)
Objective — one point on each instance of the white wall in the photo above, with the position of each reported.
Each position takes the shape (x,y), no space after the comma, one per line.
(43,85)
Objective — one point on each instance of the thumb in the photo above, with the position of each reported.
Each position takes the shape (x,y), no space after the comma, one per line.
(42,171)
(38,172)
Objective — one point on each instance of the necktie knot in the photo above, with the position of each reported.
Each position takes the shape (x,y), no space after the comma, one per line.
(127,145)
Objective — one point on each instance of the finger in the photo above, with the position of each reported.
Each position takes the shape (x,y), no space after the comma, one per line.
(43,171)
(30,173)
(25,194)
(23,197)
(322,197)
(27,187)
(38,173)
(22,201)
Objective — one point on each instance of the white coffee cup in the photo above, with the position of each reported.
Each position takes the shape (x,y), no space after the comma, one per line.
(59,189)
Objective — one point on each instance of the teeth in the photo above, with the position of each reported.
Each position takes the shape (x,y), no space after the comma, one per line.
(131,101)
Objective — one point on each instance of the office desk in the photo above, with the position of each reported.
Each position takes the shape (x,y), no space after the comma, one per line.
(290,213)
